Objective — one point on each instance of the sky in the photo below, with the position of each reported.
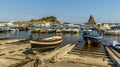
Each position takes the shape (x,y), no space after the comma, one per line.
(74,11)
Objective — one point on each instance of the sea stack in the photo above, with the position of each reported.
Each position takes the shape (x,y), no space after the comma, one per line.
(91,21)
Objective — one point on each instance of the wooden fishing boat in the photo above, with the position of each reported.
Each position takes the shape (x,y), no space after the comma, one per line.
(91,37)
(47,43)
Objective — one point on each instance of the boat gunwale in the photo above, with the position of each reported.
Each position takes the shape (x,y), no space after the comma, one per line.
(47,43)
(49,40)
(93,37)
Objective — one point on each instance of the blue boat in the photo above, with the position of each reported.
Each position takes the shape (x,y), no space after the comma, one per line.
(91,36)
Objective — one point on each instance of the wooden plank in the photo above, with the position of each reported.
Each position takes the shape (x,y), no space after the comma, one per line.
(52,54)
(62,53)
(113,56)
(118,54)
(15,48)
(11,41)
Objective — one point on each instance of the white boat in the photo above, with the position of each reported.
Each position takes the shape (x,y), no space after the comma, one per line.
(116,44)
(65,30)
(75,30)
(112,32)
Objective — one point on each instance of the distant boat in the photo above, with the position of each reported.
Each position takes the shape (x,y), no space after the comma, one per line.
(47,43)
(2,30)
(43,31)
(14,29)
(112,32)
(91,36)
(58,31)
(66,30)
(35,30)
(116,45)
(51,30)
(75,30)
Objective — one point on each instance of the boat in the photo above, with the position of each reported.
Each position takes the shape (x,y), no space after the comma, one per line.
(35,30)
(75,30)
(51,30)
(47,43)
(2,30)
(43,31)
(116,45)
(58,31)
(91,36)
(67,30)
(112,32)
(14,29)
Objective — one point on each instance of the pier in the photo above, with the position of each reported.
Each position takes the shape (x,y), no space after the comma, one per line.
(114,55)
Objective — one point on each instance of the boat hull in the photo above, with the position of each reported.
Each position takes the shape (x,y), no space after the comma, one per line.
(91,40)
(51,31)
(86,38)
(46,43)
(35,31)
(43,31)
(42,43)
(75,31)
(58,31)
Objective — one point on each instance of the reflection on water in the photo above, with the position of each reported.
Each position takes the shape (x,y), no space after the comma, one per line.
(111,38)
(108,39)
(15,35)
(83,46)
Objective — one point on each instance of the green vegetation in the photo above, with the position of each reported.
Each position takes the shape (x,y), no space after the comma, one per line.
(51,19)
